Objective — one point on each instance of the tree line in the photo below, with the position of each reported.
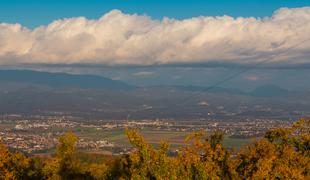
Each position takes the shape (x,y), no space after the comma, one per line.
(283,153)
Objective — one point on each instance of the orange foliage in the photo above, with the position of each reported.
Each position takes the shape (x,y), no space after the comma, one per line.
(284,153)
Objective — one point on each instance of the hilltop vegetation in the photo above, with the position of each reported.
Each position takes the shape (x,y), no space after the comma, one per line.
(283,153)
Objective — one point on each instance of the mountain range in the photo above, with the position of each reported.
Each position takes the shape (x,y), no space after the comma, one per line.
(61,80)
(33,92)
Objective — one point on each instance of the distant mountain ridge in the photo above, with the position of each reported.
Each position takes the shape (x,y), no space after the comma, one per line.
(269,91)
(90,96)
(62,80)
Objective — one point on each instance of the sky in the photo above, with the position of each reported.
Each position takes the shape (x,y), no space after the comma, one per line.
(33,13)
(155,42)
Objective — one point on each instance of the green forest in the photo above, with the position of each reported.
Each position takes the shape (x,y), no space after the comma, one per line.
(283,153)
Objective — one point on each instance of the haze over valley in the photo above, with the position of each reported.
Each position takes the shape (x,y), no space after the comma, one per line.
(91,96)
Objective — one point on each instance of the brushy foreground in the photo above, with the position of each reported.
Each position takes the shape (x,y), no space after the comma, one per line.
(283,153)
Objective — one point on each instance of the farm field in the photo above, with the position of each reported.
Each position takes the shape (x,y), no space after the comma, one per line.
(154,137)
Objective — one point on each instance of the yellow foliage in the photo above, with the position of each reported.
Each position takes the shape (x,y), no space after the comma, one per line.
(98,171)
(283,153)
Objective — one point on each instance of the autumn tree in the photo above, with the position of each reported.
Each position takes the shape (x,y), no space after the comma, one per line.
(205,157)
(282,154)
(64,164)
(147,162)
(17,165)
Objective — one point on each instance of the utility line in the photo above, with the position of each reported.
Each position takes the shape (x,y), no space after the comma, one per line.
(187,99)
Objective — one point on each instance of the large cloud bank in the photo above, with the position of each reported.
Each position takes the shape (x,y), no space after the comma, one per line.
(123,39)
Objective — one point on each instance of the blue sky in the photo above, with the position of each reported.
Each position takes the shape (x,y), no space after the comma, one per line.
(32,13)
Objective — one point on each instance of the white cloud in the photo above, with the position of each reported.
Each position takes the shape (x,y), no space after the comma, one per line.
(118,39)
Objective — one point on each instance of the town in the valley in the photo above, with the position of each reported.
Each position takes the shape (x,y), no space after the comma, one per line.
(39,134)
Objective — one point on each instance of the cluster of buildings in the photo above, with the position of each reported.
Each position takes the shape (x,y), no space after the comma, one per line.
(27,142)
(40,134)
(42,143)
